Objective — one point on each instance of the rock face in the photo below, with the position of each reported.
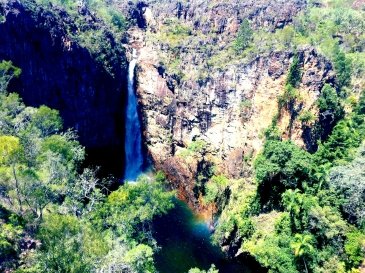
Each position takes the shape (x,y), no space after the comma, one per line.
(214,15)
(202,116)
(61,74)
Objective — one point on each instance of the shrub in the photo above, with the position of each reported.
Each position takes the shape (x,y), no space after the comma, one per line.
(329,101)
(295,73)
(244,37)
(291,94)
(215,189)
(306,116)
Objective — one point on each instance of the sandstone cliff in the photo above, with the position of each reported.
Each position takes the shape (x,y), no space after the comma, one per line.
(204,112)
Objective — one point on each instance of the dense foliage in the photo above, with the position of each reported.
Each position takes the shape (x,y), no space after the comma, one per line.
(56,216)
(304,212)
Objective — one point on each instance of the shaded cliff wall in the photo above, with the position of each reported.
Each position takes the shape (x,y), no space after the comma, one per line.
(62,75)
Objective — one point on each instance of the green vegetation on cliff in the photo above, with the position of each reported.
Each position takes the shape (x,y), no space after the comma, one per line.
(304,212)
(95,25)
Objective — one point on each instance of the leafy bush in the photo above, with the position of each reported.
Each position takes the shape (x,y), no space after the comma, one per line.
(271,246)
(340,147)
(329,101)
(69,245)
(196,147)
(212,269)
(181,30)
(118,20)
(10,236)
(330,109)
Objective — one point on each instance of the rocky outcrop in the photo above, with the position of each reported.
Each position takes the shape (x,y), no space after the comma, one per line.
(230,113)
(215,15)
(58,72)
(358,4)
(210,113)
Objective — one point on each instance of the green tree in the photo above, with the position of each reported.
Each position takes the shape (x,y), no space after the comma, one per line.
(302,247)
(66,146)
(7,72)
(9,149)
(10,154)
(349,183)
(343,67)
(118,20)
(47,120)
(332,265)
(339,147)
(215,189)
(70,245)
(36,165)
(10,236)
(326,222)
(272,251)
(360,108)
(130,209)
(141,259)
(281,166)
(293,201)
(285,160)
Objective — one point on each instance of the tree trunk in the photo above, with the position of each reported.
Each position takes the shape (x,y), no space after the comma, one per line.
(17,189)
(305,265)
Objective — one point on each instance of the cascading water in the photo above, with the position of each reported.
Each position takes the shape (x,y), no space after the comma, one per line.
(133,133)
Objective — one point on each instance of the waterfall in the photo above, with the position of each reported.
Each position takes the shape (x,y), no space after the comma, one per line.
(133,133)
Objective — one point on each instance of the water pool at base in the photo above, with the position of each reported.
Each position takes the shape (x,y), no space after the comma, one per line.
(185,242)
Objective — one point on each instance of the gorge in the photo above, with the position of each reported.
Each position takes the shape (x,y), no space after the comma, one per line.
(248,117)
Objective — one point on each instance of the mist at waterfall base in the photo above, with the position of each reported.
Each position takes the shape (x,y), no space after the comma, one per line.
(134,158)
